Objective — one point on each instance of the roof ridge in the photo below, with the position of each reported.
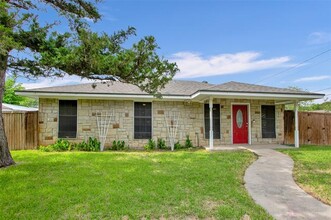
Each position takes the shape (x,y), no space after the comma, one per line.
(250,84)
(215,85)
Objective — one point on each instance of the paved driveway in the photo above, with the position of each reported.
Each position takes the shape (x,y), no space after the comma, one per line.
(269,181)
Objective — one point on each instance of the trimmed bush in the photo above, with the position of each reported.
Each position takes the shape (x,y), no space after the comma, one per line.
(150,145)
(178,146)
(161,144)
(118,145)
(188,142)
(93,144)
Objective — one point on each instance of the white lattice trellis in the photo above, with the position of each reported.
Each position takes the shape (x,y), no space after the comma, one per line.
(172,121)
(104,118)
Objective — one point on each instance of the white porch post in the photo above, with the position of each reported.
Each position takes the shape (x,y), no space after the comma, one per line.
(296,124)
(211,133)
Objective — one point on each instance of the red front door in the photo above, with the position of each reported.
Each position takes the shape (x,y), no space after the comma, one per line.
(240,124)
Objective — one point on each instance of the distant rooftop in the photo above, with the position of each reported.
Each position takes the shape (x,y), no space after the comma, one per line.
(16,108)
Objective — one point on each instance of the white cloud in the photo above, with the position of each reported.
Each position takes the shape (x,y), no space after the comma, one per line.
(89,19)
(312,78)
(48,82)
(327,97)
(319,38)
(194,65)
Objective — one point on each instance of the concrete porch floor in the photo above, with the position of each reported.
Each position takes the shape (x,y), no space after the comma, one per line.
(248,147)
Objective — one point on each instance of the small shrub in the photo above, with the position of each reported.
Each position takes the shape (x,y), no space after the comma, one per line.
(48,148)
(118,145)
(61,145)
(161,144)
(178,146)
(150,145)
(188,142)
(92,144)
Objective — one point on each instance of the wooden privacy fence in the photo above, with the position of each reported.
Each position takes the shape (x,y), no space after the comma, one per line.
(314,128)
(21,130)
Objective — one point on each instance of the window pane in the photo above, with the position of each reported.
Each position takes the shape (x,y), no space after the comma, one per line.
(142,120)
(67,119)
(216,121)
(268,121)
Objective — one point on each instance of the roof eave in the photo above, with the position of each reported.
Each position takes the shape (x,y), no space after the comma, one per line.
(70,95)
(258,95)
(197,96)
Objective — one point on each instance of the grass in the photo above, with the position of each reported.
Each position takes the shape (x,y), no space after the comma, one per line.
(312,170)
(127,185)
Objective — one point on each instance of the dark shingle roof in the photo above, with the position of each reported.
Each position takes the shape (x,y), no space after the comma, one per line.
(245,87)
(174,87)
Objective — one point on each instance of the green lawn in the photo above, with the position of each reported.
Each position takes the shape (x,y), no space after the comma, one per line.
(312,170)
(127,185)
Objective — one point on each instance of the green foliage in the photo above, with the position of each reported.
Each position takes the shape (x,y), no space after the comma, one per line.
(178,146)
(48,148)
(92,144)
(161,144)
(59,145)
(150,145)
(309,105)
(10,97)
(188,142)
(119,145)
(325,106)
(79,51)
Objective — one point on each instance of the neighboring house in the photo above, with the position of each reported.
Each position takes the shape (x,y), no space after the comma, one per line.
(229,113)
(17,108)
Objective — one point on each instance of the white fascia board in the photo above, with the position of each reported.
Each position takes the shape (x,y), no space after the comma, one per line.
(100,96)
(258,95)
(194,97)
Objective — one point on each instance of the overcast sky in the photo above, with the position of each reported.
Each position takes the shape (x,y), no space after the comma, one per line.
(261,42)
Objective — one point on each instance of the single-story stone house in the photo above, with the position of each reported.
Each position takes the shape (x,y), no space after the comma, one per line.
(212,115)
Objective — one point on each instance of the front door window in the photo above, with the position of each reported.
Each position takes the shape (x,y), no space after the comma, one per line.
(239,118)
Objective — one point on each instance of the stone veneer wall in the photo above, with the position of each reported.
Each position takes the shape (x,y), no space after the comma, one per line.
(191,121)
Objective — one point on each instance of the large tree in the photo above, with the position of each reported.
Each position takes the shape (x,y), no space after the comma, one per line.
(10,97)
(33,48)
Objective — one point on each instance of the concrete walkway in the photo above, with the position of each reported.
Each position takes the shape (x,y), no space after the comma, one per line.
(269,181)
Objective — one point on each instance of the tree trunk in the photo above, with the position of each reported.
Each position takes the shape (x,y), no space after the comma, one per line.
(5,156)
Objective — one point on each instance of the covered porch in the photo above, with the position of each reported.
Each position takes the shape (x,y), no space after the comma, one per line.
(277,99)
